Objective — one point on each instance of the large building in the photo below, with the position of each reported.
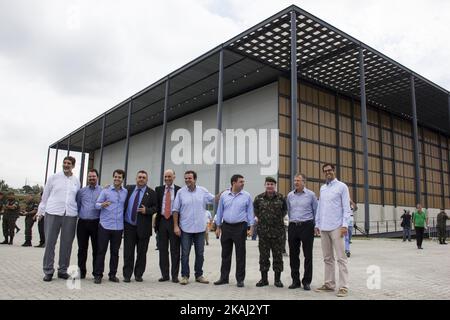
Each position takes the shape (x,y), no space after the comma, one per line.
(385,127)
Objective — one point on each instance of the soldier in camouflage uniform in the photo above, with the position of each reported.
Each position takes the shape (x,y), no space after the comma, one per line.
(11,213)
(270,208)
(29,213)
(441,226)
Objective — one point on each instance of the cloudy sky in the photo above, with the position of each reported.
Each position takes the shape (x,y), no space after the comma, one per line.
(62,63)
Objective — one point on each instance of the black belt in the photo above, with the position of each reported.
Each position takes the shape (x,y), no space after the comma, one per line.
(299,223)
(234,224)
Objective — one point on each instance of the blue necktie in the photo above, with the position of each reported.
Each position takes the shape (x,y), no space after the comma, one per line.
(135,205)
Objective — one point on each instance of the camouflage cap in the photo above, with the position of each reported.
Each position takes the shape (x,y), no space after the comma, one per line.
(271,179)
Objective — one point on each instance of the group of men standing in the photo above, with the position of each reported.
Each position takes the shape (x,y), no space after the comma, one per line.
(11,211)
(328,217)
(103,215)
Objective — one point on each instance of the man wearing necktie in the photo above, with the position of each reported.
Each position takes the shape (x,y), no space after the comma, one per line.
(165,195)
(140,205)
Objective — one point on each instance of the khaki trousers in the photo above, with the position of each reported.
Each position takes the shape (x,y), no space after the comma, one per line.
(333,240)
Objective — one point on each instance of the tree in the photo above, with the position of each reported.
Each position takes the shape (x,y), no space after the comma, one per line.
(3,186)
(27,189)
(37,189)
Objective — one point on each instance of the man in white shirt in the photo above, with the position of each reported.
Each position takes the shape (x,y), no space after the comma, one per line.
(333,214)
(59,206)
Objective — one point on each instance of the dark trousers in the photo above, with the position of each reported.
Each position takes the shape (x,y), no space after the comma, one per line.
(442,232)
(419,236)
(187,239)
(41,230)
(105,237)
(131,243)
(29,222)
(9,224)
(168,237)
(86,229)
(233,234)
(301,235)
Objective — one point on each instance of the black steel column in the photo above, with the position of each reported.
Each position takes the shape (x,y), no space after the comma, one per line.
(355,194)
(394,171)
(102,141)
(82,157)
(127,143)
(68,145)
(364,133)
(164,133)
(380,138)
(338,136)
(441,167)
(56,157)
(46,167)
(219,126)
(293,97)
(416,139)
(425,186)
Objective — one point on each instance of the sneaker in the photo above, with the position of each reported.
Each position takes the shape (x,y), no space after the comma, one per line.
(202,279)
(343,292)
(324,288)
(184,280)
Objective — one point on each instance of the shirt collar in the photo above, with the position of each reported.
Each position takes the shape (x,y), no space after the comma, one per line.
(332,182)
(303,191)
(167,187)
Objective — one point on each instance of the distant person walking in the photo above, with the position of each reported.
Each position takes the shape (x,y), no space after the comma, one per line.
(420,222)
(406,225)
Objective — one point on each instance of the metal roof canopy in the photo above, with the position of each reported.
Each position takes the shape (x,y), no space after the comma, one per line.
(258,56)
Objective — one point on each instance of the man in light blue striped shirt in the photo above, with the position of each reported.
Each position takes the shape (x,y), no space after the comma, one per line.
(332,218)
(189,223)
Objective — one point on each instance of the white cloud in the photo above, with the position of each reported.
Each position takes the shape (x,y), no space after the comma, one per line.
(62,63)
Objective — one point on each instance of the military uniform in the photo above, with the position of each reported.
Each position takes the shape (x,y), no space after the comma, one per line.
(9,220)
(270,211)
(442,218)
(30,211)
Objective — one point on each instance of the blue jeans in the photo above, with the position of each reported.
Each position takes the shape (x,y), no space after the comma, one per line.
(406,233)
(199,244)
(348,238)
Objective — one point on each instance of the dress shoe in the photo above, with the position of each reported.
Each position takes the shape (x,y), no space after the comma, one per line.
(48,277)
(221,281)
(114,279)
(26,244)
(306,287)
(138,279)
(97,280)
(127,280)
(294,285)
(82,275)
(5,242)
(40,245)
(175,280)
(240,284)
(64,276)
(163,279)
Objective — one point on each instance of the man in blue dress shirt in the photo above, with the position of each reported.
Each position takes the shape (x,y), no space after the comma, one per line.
(111,202)
(88,219)
(302,206)
(189,224)
(234,214)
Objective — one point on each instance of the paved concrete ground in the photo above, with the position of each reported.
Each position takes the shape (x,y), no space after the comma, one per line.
(405,273)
